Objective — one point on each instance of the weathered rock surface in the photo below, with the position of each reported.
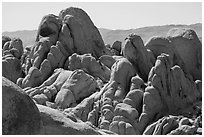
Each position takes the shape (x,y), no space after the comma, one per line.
(65,36)
(55,58)
(113,94)
(116,47)
(172,125)
(49,28)
(58,37)
(45,55)
(106,100)
(19,113)
(189,48)
(89,64)
(141,57)
(78,86)
(86,36)
(4,40)
(126,114)
(87,110)
(109,60)
(159,45)
(169,91)
(11,68)
(57,123)
(51,86)
(64,88)
(82,86)
(14,47)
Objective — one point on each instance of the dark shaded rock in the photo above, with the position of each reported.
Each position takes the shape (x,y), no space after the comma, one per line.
(49,27)
(11,68)
(189,48)
(4,40)
(116,47)
(19,113)
(14,47)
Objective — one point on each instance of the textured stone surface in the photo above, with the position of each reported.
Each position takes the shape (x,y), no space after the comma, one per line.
(58,123)
(116,47)
(141,57)
(44,56)
(11,68)
(14,47)
(64,88)
(78,86)
(189,48)
(82,86)
(169,91)
(57,38)
(49,28)
(89,64)
(4,40)
(159,45)
(109,60)
(86,36)
(19,113)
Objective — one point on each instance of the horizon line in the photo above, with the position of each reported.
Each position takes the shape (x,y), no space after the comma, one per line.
(114,29)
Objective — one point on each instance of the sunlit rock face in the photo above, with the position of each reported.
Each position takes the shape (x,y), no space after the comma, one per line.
(86,36)
(69,82)
(90,65)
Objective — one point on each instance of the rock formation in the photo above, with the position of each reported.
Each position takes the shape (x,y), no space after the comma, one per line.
(108,60)
(90,65)
(85,35)
(78,86)
(11,68)
(141,57)
(114,93)
(56,122)
(4,40)
(169,91)
(64,88)
(116,47)
(159,45)
(189,48)
(57,38)
(75,84)
(19,113)
(21,116)
(14,47)
(172,125)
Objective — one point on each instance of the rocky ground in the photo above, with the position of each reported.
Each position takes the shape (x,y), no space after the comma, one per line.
(70,82)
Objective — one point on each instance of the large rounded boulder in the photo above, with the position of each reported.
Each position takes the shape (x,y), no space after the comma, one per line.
(19,113)
(81,25)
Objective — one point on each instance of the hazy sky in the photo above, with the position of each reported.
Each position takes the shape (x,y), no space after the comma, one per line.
(120,15)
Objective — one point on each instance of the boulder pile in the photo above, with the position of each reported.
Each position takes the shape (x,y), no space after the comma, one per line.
(70,82)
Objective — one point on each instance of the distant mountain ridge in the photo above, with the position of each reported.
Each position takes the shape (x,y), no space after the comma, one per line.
(109,36)
(146,32)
